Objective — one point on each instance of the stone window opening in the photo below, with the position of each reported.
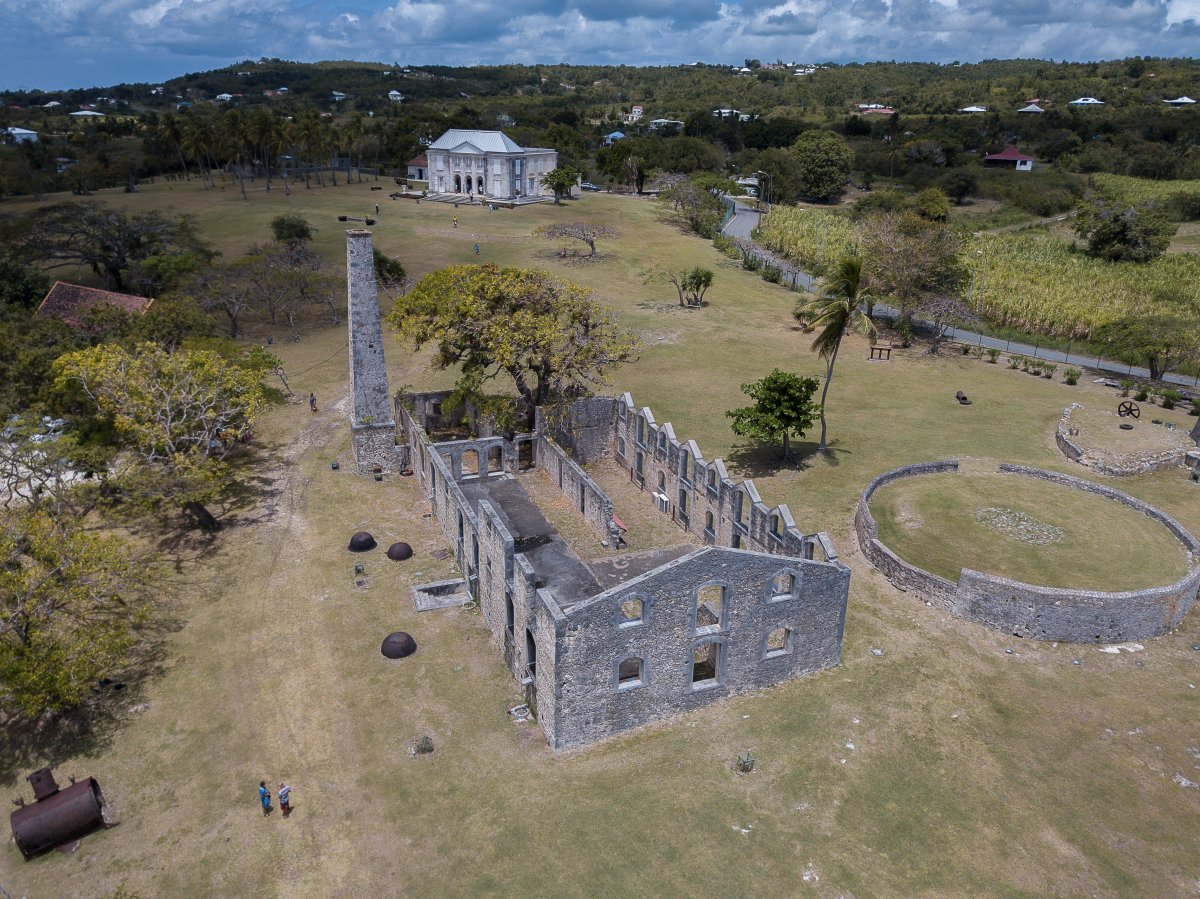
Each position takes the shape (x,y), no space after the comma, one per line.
(631,612)
(743,509)
(662,444)
(509,616)
(712,484)
(783,586)
(710,525)
(530,654)
(495,459)
(629,673)
(641,430)
(662,483)
(681,507)
(639,469)
(621,447)
(737,542)
(776,527)
(778,643)
(711,608)
(685,466)
(706,665)
(622,411)
(470,463)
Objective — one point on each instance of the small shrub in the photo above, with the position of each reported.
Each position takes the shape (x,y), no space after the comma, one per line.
(771,274)
(1015,362)
(1126,386)
(1048,369)
(1034,367)
(1142,395)
(1071,376)
(1195,409)
(751,263)
(992,354)
(964,348)
(1171,398)
(423,746)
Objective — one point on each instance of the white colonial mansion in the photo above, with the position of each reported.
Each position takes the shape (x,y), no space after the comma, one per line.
(487,164)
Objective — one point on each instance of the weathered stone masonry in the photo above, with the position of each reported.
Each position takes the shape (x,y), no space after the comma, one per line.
(372,426)
(597,662)
(1028,610)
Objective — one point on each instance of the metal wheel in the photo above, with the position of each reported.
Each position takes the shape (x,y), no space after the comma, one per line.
(1129,409)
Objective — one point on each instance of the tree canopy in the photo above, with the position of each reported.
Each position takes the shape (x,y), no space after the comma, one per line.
(561,180)
(823,164)
(548,335)
(783,406)
(1121,232)
(587,232)
(909,259)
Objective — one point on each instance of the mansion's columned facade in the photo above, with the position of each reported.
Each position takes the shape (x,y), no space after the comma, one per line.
(487,164)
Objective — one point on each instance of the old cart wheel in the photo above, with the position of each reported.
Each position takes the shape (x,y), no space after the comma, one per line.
(1129,409)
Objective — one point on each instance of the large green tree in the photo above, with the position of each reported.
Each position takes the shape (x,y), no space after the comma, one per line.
(834,313)
(823,163)
(1121,232)
(783,406)
(70,600)
(548,335)
(561,180)
(908,259)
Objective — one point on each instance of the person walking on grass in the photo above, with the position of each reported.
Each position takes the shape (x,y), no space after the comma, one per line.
(285,799)
(312,403)
(455,220)
(476,249)
(264,796)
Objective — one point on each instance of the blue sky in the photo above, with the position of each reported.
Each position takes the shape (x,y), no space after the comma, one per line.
(56,44)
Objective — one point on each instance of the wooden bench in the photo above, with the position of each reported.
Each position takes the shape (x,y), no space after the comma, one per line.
(881,353)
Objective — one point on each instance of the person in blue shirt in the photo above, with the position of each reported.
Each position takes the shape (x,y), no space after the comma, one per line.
(476,249)
(264,796)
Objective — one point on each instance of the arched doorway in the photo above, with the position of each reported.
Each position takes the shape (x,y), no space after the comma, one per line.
(480,185)
(530,653)
(458,184)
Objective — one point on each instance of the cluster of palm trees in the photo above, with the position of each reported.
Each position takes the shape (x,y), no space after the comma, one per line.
(253,143)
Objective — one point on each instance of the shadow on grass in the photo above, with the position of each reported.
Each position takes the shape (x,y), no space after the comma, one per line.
(757,460)
(88,729)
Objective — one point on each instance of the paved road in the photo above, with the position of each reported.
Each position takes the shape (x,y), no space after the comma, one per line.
(744,221)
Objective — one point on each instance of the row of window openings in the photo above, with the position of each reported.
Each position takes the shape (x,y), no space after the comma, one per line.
(707,668)
(712,606)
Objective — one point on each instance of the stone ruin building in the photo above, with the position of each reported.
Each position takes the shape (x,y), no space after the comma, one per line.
(607,645)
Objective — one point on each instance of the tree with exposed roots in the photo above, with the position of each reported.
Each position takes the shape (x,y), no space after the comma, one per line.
(548,335)
(783,405)
(587,232)
(835,313)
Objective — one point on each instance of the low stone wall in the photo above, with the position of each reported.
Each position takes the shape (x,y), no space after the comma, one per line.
(1029,610)
(1115,464)
(936,589)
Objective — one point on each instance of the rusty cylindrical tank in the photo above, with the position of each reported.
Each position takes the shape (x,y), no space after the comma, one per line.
(58,816)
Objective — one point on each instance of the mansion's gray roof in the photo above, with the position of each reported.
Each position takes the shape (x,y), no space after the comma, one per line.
(483,141)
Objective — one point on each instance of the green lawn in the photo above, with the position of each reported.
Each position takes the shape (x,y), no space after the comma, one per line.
(1028,530)
(973,771)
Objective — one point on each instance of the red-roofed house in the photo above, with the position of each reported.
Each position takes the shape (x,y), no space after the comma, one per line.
(70,302)
(418,168)
(1010,155)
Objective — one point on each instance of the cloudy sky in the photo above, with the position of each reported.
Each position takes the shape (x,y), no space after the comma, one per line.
(81,43)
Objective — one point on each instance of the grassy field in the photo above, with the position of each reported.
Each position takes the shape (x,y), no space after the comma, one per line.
(972,771)
(1031,531)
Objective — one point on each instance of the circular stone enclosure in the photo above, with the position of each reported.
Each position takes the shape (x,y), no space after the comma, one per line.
(1097,587)
(1103,441)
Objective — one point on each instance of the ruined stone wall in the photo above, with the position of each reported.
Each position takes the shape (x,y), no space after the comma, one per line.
(584,428)
(579,489)
(925,584)
(1115,464)
(593,706)
(699,495)
(1030,610)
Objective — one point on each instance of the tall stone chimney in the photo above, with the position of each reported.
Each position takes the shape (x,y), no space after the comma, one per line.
(372,422)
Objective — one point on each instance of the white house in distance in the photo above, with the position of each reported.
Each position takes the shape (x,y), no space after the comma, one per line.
(1179,102)
(488,164)
(1086,101)
(1032,107)
(973,109)
(395,96)
(22,135)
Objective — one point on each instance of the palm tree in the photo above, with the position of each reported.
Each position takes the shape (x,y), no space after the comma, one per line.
(835,311)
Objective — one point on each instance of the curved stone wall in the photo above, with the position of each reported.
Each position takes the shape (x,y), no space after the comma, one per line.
(1029,610)
(1121,465)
